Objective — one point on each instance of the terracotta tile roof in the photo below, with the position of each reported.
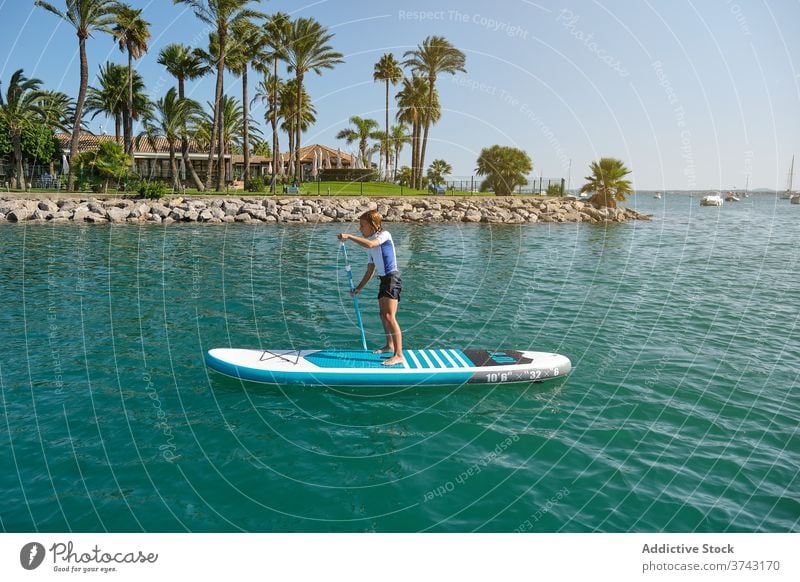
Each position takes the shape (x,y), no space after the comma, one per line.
(306,156)
(88,141)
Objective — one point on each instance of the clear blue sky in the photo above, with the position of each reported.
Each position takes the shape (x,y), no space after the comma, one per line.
(690,94)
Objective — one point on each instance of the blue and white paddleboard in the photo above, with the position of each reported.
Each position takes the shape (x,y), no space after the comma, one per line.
(362,368)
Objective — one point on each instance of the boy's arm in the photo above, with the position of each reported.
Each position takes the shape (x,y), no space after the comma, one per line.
(366,243)
(367,276)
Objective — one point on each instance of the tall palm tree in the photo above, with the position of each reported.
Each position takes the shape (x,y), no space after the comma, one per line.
(131,33)
(221,15)
(249,48)
(287,110)
(85,16)
(398,137)
(414,109)
(307,50)
(21,108)
(184,64)
(387,69)
(607,183)
(268,91)
(276,33)
(234,126)
(361,132)
(171,116)
(430,59)
(108,98)
(59,109)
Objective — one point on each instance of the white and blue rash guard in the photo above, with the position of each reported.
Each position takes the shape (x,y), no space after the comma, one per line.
(383,256)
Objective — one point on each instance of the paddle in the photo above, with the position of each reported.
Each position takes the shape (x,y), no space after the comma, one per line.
(355,297)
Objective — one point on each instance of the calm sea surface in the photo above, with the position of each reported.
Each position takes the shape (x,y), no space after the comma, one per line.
(681,414)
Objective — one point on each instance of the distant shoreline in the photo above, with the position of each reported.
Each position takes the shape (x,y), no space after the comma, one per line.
(282,209)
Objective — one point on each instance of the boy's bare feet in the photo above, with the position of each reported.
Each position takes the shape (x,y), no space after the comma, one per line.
(393,360)
(384,350)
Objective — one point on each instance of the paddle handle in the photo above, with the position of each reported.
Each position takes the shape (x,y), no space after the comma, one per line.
(355,297)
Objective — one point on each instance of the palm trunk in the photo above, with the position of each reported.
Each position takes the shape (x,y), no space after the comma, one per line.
(176,185)
(215,122)
(273,119)
(20,170)
(117,127)
(187,163)
(414,152)
(221,149)
(386,175)
(129,107)
(223,38)
(396,160)
(76,126)
(297,126)
(427,127)
(245,128)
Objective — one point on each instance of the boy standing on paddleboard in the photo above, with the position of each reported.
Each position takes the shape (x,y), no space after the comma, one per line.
(382,259)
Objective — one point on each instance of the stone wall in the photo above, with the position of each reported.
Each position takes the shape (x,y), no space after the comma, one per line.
(272,209)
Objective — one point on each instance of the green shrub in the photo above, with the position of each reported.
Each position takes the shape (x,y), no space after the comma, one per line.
(554,189)
(257,184)
(152,190)
(349,175)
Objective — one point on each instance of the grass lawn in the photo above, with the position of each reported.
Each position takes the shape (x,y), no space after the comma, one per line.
(377,189)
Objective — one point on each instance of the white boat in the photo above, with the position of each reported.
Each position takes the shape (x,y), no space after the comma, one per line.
(731,197)
(711,200)
(788,195)
(795,199)
(657,195)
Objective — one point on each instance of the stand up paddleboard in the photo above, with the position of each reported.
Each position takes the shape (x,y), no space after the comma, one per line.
(363,368)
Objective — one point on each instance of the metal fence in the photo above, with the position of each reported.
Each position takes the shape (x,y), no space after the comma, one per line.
(537,185)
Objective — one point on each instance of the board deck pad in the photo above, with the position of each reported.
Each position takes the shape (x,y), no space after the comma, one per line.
(364,368)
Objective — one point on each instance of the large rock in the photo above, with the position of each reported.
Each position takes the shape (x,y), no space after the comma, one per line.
(20,214)
(48,206)
(117,215)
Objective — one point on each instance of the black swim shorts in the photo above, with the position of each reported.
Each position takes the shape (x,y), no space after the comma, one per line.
(391,285)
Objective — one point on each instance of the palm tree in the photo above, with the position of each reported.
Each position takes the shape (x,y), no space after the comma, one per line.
(438,170)
(387,69)
(171,116)
(249,48)
(398,137)
(108,161)
(131,33)
(184,63)
(85,16)
(287,110)
(108,97)
(221,15)
(381,147)
(607,183)
(433,57)
(59,109)
(413,108)
(362,132)
(307,50)
(269,90)
(276,33)
(505,168)
(20,109)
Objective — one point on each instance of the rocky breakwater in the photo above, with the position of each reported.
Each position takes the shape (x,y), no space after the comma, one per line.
(271,209)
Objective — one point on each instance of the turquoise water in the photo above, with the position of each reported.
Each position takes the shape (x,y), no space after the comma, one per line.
(681,413)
